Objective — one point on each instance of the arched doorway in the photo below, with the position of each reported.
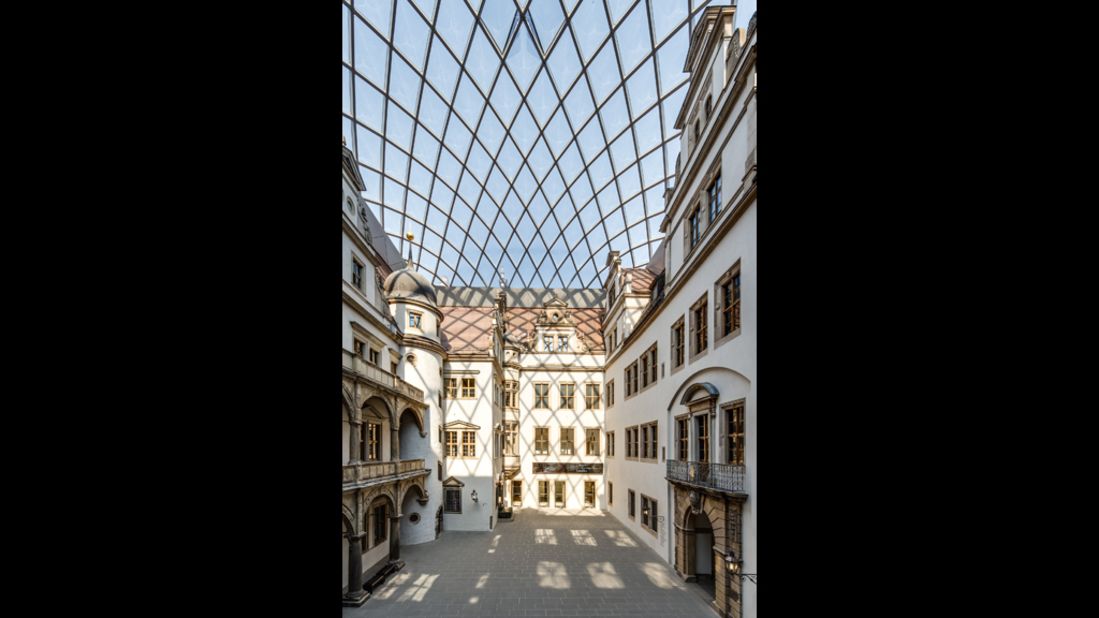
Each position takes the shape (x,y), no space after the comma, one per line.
(699,542)
(347,531)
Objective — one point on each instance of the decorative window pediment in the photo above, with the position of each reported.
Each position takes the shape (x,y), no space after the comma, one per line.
(453,482)
(459,426)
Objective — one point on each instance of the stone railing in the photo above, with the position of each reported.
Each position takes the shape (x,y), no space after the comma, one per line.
(376,374)
(380,470)
(724,477)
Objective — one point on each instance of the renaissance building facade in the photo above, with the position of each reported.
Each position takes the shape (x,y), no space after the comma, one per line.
(633,397)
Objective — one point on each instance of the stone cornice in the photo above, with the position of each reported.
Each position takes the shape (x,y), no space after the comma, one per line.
(363,309)
(418,303)
(423,343)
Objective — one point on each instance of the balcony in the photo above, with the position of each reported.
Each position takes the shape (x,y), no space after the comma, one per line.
(722,477)
(381,377)
(365,474)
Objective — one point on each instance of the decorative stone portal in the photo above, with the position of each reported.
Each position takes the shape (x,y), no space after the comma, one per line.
(707,545)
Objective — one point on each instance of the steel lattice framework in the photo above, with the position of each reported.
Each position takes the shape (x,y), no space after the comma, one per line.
(517,140)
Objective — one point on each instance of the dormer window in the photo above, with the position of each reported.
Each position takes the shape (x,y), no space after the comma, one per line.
(562,343)
(547,343)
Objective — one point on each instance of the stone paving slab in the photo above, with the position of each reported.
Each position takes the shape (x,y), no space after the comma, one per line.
(542,563)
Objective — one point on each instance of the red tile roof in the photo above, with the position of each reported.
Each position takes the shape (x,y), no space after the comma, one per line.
(469,329)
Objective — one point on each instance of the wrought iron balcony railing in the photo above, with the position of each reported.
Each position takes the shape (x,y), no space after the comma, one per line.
(359,365)
(724,477)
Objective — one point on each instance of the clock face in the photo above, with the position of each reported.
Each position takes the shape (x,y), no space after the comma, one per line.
(556,316)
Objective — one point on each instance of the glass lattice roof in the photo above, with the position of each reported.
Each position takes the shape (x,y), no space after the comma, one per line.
(517,139)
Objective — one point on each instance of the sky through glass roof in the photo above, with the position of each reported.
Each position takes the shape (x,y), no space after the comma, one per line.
(517,139)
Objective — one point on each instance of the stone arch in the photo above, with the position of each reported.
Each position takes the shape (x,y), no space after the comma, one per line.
(348,401)
(380,406)
(348,519)
(417,417)
(690,384)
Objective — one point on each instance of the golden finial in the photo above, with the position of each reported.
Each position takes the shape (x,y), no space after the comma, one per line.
(410,236)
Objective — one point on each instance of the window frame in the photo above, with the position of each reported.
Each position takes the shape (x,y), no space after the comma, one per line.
(535,405)
(358,269)
(471,388)
(546,450)
(589,397)
(588,441)
(699,317)
(732,438)
(677,336)
(446,499)
(415,319)
(543,492)
(732,277)
(562,397)
(571,442)
(631,504)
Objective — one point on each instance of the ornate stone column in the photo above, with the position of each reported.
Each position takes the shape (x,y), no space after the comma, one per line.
(395,443)
(355,596)
(356,440)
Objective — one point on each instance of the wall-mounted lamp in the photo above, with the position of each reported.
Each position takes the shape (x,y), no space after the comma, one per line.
(732,563)
(473,495)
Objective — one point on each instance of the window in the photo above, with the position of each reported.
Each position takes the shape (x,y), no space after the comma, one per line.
(591,440)
(356,273)
(591,396)
(374,443)
(566,441)
(703,423)
(729,302)
(610,493)
(610,444)
(415,319)
(648,513)
(648,367)
(559,494)
(632,435)
(562,343)
(469,445)
(453,500)
(684,428)
(693,229)
(648,441)
(713,195)
(631,501)
(568,391)
(541,440)
(359,347)
(631,378)
(381,525)
(677,343)
(511,394)
(734,420)
(511,438)
(374,357)
(589,493)
(709,106)
(610,393)
(547,343)
(698,126)
(698,327)
(452,444)
(543,493)
(439,468)
(541,395)
(452,388)
(469,388)
(517,493)
(393,368)
(611,338)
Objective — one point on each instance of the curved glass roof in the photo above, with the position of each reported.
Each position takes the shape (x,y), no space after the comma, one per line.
(518,140)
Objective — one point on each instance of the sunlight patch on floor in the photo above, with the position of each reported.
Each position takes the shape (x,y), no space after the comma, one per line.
(545,536)
(553,575)
(620,538)
(603,575)
(583,537)
(418,590)
(658,575)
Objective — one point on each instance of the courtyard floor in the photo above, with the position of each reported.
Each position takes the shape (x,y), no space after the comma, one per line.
(542,563)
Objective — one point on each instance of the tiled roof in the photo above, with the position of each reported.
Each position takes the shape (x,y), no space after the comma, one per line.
(469,329)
